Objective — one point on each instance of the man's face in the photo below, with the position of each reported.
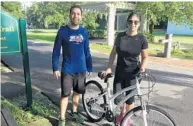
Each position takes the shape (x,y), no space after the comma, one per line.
(75,16)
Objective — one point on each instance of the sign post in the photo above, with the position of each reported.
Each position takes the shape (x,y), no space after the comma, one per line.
(22,26)
(14,41)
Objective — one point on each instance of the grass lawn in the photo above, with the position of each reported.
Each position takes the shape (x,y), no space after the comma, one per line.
(41,108)
(42,35)
(186,41)
(153,48)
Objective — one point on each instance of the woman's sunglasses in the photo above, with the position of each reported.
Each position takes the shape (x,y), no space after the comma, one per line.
(132,21)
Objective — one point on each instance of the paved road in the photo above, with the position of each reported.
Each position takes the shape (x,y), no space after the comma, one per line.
(173,90)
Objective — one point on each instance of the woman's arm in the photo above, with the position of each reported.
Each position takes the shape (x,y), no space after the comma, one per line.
(144,59)
(111,60)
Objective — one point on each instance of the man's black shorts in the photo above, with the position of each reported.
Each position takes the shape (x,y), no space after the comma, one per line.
(72,80)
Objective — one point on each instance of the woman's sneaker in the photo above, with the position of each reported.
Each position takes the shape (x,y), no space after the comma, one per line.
(119,118)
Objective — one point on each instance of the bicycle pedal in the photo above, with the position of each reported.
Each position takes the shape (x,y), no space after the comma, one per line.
(103,105)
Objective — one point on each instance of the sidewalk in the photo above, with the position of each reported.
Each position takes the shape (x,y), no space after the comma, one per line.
(185,63)
(172,61)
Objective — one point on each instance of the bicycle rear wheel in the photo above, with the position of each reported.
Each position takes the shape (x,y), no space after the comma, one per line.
(93,103)
(155,117)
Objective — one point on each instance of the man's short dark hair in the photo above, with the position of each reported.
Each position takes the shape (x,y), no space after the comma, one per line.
(75,6)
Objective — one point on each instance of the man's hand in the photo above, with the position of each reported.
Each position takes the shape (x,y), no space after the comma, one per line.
(57,74)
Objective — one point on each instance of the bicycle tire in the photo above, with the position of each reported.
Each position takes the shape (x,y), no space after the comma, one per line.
(132,114)
(85,100)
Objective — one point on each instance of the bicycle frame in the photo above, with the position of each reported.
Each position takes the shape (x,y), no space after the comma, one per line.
(110,98)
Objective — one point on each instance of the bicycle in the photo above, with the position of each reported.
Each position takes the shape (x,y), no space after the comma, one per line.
(99,103)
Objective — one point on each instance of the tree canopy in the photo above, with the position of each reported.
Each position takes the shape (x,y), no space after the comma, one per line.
(55,14)
(14,8)
(176,12)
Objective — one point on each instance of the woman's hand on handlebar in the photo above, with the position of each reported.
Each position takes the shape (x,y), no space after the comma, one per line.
(107,71)
(142,69)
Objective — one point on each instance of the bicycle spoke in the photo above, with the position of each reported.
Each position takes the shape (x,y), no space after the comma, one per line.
(154,117)
(93,101)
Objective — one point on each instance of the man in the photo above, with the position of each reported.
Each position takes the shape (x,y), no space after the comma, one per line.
(76,62)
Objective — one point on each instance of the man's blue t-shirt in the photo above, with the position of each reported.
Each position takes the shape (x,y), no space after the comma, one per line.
(75,50)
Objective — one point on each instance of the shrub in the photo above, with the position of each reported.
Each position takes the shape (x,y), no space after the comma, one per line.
(97,34)
(150,37)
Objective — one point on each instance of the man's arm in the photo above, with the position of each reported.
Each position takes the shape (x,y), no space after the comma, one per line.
(87,54)
(56,54)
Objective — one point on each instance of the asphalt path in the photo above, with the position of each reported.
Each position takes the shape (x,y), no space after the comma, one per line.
(172,92)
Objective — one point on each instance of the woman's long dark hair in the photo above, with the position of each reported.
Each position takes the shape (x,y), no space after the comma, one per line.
(132,14)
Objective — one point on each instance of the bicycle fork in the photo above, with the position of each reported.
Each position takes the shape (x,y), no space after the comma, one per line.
(109,95)
(144,112)
(144,109)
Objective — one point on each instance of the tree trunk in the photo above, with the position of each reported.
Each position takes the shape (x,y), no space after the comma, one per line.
(151,27)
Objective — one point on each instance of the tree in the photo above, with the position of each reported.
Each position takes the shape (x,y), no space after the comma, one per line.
(89,20)
(176,12)
(179,12)
(14,8)
(43,14)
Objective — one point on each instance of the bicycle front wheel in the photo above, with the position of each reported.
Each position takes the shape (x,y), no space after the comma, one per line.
(93,101)
(154,116)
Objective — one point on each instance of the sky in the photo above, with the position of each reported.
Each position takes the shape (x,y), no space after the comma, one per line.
(26,3)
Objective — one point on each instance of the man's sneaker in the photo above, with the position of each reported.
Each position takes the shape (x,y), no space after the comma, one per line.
(62,123)
(76,116)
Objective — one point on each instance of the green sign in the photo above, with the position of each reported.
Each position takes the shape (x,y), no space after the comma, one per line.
(13,41)
(10,34)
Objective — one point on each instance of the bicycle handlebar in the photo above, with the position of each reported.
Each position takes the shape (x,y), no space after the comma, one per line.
(140,76)
(102,76)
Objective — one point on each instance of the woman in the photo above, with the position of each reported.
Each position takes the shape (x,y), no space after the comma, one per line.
(128,46)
